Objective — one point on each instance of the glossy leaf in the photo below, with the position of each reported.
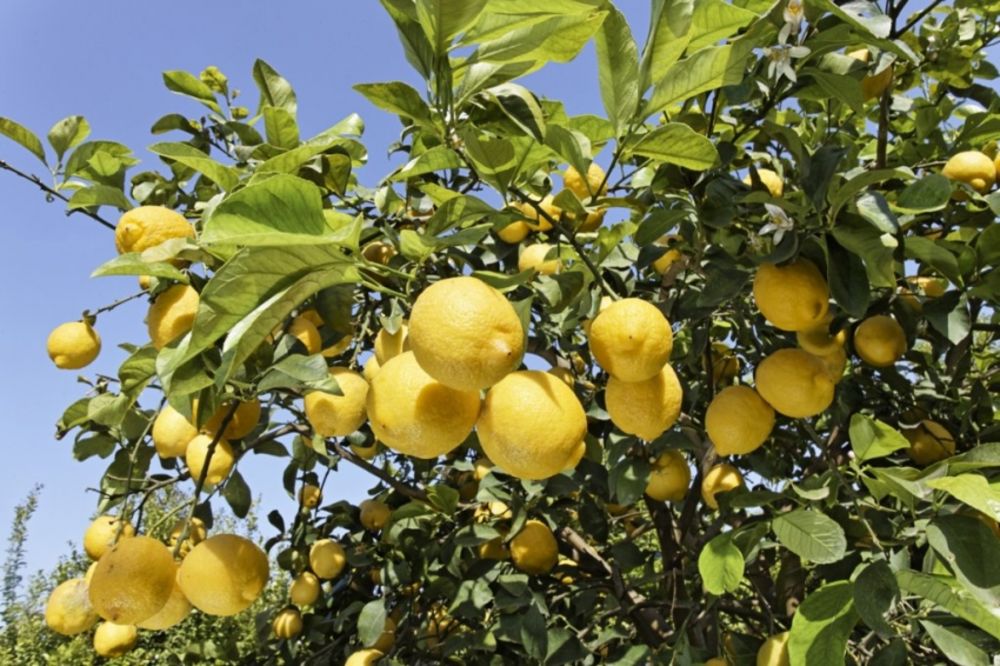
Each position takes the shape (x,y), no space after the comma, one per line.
(811,535)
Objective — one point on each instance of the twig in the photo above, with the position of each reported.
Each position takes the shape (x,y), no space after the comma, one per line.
(399,486)
(916,18)
(111,306)
(31,178)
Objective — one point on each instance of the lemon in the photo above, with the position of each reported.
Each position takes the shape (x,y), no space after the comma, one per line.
(338,415)
(819,340)
(147,226)
(133,580)
(114,640)
(874,86)
(563,374)
(929,442)
(244,419)
(666,260)
(725,364)
(669,478)
(548,207)
(972,168)
(338,347)
(310,496)
(490,511)
(532,425)
(305,589)
(534,549)
(494,549)
(102,534)
(196,533)
(173,612)
(223,574)
(481,467)
(774,651)
(365,452)
(374,514)
(717,661)
(305,331)
(631,340)
(378,252)
(646,408)
(835,363)
(371,368)
(465,333)
(287,624)
(515,232)
(73,345)
(593,185)
(171,433)
(387,638)
(594,219)
(794,297)
(68,610)
(880,341)
(738,421)
(531,217)
(223,459)
(795,383)
(389,345)
(366,657)
(327,558)
(771,181)
(172,314)
(931,286)
(996,163)
(416,415)
(533,259)
(720,479)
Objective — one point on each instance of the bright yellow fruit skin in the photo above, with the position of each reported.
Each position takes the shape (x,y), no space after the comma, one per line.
(371,368)
(532,425)
(327,558)
(304,590)
(416,415)
(374,514)
(101,535)
(532,219)
(725,364)
(195,535)
(584,188)
(533,259)
(244,420)
(593,220)
(287,624)
(465,334)
(387,638)
(305,331)
(771,181)
(820,341)
(494,549)
(647,408)
(774,651)
(310,496)
(666,260)
(68,610)
(172,314)
(223,459)
(133,580)
(794,297)
(929,442)
(73,345)
(114,640)
(338,415)
(173,612)
(720,479)
(515,232)
(534,550)
(972,168)
(390,345)
(880,341)
(669,478)
(147,226)
(224,574)
(795,383)
(717,661)
(172,433)
(366,657)
(738,421)
(631,340)
(835,363)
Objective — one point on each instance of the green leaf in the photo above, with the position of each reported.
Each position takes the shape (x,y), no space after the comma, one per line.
(959,650)
(961,541)
(281,128)
(99,195)
(627,479)
(399,98)
(521,106)
(947,593)
(443,20)
(871,438)
(721,565)
(848,281)
(811,535)
(668,38)
(949,316)
(859,181)
(709,68)
(189,85)
(873,207)
(102,162)
(822,625)
(274,89)
(22,135)
(572,146)
(676,143)
(371,621)
(298,372)
(132,263)
(439,158)
(416,47)
(99,444)
(618,69)
(875,593)
(715,20)
(67,133)
(973,490)
(930,253)
(558,39)
(237,494)
(225,177)
(930,193)
(443,498)
(873,21)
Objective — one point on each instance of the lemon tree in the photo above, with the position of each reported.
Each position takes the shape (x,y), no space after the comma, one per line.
(709,378)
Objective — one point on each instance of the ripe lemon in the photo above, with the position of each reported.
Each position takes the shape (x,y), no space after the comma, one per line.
(465,333)
(835,363)
(310,496)
(738,421)
(669,478)
(287,624)
(389,345)
(223,574)
(929,442)
(549,208)
(133,580)
(666,260)
(515,232)
(771,181)
(972,168)
(171,433)
(490,511)
(725,364)
(416,415)
(584,188)
(563,374)
(631,340)
(534,550)
(795,383)
(931,286)
(880,341)
(172,314)
(374,514)
(366,657)
(371,368)
(68,610)
(717,661)
(387,638)
(244,419)
(794,297)
(774,651)
(365,452)
(327,558)
(532,220)
(494,549)
(196,533)
(102,534)
(532,425)
(147,226)
(73,345)
(720,479)
(647,408)
(338,415)
(173,612)
(594,219)
(533,259)
(305,589)
(114,640)
(223,459)
(304,330)
(819,340)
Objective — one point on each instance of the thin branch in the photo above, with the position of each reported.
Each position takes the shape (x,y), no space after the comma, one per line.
(399,486)
(916,18)
(31,178)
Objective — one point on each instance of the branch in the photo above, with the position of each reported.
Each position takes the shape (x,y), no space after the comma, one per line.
(31,178)
(399,486)
(915,19)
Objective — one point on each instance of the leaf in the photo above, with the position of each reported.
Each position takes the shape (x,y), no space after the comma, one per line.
(22,135)
(618,69)
(721,565)
(873,207)
(439,158)
(371,622)
(848,281)
(627,479)
(875,592)
(715,20)
(871,438)
(811,535)
(930,193)
(973,490)
(668,38)
(709,68)
(132,263)
(67,133)
(443,498)
(237,494)
(521,106)
(298,372)
(189,85)
(281,128)
(443,20)
(572,146)
(676,143)
(949,316)
(822,625)
(961,542)
(959,650)
(225,177)
(274,89)
(930,253)
(557,39)
(99,195)
(399,98)
(862,14)
(99,444)
(947,593)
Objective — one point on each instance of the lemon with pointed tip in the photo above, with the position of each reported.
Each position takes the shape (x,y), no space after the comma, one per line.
(172,433)
(374,514)
(722,478)
(593,185)
(738,421)
(173,612)
(646,408)
(133,580)
(534,549)
(221,463)
(147,226)
(533,258)
(102,533)
(880,341)
(73,345)
(327,558)
(371,368)
(929,442)
(366,657)
(172,314)
(310,496)
(669,477)
(224,574)
(795,383)
(114,640)
(793,297)
(338,415)
(631,340)
(770,180)
(973,168)
(390,345)
(304,590)
(242,423)
(774,651)
(68,610)
(287,624)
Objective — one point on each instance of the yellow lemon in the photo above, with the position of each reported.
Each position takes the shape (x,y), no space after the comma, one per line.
(244,419)
(548,207)
(593,221)
(794,297)
(972,168)
(172,314)
(365,452)
(494,549)
(465,333)
(114,640)
(771,181)
(819,340)
(593,185)
(173,612)
(224,574)
(310,496)
(327,558)
(532,425)
(725,364)
(171,433)
(534,549)
(102,534)
(533,259)
(338,415)
(795,383)
(931,286)
(374,514)
(68,610)
(133,580)
(631,340)
(835,362)
(389,345)
(774,651)
(371,368)
(564,374)
(387,638)
(482,467)
(223,459)
(669,478)
(666,260)
(720,479)
(880,341)
(147,226)
(415,414)
(929,442)
(489,511)
(646,408)
(515,232)
(738,421)
(366,657)
(73,345)
(304,330)
(532,220)
(305,589)
(287,624)
(196,533)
